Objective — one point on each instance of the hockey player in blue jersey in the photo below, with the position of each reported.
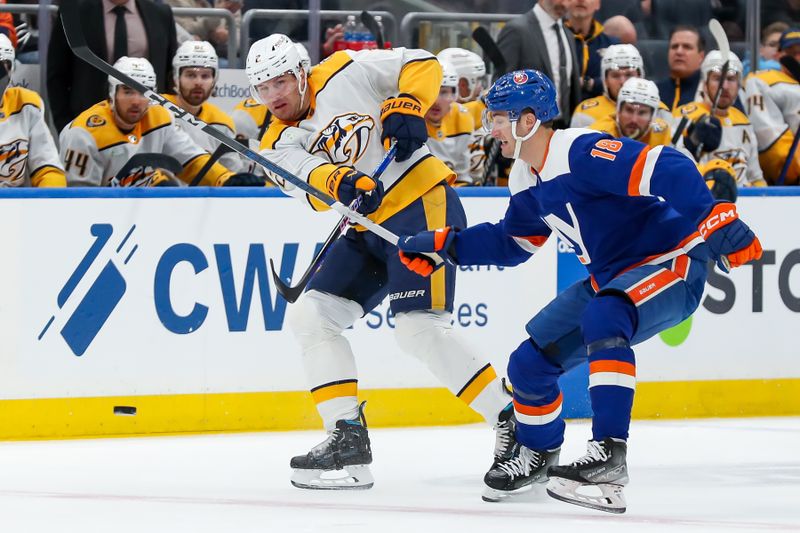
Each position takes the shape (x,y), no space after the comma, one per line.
(643,222)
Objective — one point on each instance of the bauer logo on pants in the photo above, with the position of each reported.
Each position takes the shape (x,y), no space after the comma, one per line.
(87,316)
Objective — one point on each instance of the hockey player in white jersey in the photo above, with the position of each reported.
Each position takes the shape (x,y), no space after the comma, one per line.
(773,104)
(637,106)
(729,136)
(643,223)
(471,72)
(195,69)
(28,155)
(450,127)
(330,128)
(98,142)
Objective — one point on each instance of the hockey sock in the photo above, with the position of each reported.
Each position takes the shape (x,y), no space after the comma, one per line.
(608,325)
(537,398)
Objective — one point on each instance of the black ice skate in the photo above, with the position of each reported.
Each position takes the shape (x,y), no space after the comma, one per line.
(340,461)
(603,467)
(517,473)
(505,431)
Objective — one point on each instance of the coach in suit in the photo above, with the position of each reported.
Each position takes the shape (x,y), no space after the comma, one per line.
(537,39)
(113,28)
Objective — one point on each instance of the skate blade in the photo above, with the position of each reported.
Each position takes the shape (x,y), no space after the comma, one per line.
(610,500)
(532,490)
(352,477)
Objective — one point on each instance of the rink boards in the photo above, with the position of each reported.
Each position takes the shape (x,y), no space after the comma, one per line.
(148,311)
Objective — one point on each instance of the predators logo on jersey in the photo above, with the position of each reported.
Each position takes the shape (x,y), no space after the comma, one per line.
(345,139)
(13,157)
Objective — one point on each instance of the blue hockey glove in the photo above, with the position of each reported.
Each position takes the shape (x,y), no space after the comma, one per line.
(731,242)
(347,184)
(403,120)
(707,131)
(244,179)
(440,241)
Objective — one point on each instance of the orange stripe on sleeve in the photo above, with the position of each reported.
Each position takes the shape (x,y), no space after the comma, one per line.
(636,173)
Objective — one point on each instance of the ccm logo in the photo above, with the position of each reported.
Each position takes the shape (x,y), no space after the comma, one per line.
(716,220)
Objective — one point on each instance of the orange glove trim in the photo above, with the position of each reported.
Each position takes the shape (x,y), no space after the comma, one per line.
(720,216)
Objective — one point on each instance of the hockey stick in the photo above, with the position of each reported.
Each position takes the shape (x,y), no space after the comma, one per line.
(489,47)
(368,20)
(724,46)
(679,130)
(291,294)
(153,160)
(70,19)
(790,64)
(491,160)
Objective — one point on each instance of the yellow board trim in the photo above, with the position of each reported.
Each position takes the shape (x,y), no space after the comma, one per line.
(58,418)
(329,392)
(478,384)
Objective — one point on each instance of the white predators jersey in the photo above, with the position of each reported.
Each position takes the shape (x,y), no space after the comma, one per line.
(94,149)
(773,103)
(450,141)
(218,119)
(343,125)
(738,146)
(28,154)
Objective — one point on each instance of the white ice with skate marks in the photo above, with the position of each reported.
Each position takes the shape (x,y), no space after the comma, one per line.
(701,475)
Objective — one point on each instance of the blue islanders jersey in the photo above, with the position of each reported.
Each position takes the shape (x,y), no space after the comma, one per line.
(619,202)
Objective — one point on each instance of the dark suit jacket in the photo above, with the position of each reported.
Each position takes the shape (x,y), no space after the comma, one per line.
(73,86)
(522,45)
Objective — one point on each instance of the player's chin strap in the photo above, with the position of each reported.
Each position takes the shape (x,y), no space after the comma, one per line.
(519,140)
(302,87)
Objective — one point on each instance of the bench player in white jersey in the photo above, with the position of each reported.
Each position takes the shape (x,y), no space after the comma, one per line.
(195,69)
(28,155)
(637,106)
(98,142)
(450,127)
(773,103)
(730,136)
(645,232)
(329,128)
(471,71)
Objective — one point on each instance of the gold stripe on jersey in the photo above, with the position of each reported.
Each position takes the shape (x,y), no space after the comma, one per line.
(421,78)
(475,109)
(774,157)
(273,134)
(335,389)
(597,108)
(98,120)
(321,74)
(434,203)
(477,383)
(15,98)
(659,134)
(258,112)
(48,176)
(695,110)
(773,77)
(457,121)
(215,177)
(419,179)
(209,113)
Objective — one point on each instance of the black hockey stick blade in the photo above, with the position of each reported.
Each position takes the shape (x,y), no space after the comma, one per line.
(291,294)
(489,47)
(791,64)
(219,152)
(368,20)
(150,159)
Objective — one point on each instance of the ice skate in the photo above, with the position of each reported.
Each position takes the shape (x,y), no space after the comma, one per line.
(340,462)
(505,435)
(595,480)
(517,473)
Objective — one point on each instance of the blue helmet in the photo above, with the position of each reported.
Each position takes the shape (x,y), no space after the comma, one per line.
(523,89)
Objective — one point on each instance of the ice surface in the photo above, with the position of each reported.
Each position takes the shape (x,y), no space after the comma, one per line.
(698,475)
